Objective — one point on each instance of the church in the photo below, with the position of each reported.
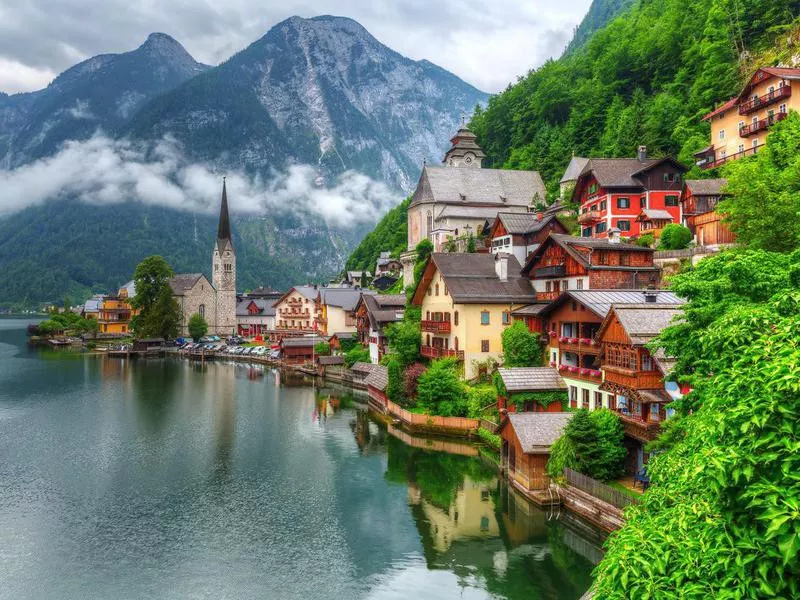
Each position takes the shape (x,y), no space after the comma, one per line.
(214,300)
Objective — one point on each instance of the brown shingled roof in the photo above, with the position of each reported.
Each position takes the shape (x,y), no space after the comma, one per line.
(378,378)
(706,187)
(472,278)
(531,379)
(537,431)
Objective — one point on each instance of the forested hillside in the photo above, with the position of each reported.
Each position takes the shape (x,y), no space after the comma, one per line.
(601,12)
(646,78)
(389,234)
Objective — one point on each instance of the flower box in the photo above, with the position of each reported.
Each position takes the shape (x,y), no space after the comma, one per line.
(595,373)
(573,340)
(573,369)
(552,364)
(562,367)
(551,333)
(562,339)
(586,341)
(585,371)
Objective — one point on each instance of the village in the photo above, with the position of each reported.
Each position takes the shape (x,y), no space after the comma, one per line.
(581,281)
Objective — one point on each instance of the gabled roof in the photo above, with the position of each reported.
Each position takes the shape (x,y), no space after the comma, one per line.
(344,298)
(537,431)
(182,282)
(574,168)
(363,368)
(706,187)
(306,291)
(523,223)
(303,341)
(642,322)
(475,186)
(331,360)
(655,214)
(622,172)
(378,378)
(729,104)
(580,249)
(265,308)
(531,379)
(758,77)
(384,308)
(472,278)
(462,142)
(600,301)
(344,335)
(530,310)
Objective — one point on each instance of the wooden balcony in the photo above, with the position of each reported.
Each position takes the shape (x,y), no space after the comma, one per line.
(435,326)
(754,104)
(584,374)
(637,380)
(761,125)
(552,271)
(639,429)
(577,345)
(435,352)
(547,296)
(713,164)
(590,216)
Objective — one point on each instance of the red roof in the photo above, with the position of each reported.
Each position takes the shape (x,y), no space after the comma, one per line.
(727,106)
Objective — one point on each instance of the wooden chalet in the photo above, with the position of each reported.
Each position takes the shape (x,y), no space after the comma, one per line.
(342,336)
(526,441)
(521,233)
(373,313)
(566,262)
(700,199)
(299,350)
(530,380)
(635,375)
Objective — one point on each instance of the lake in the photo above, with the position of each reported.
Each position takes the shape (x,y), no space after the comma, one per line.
(167,479)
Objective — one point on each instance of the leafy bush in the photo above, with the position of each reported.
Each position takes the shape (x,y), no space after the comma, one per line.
(322,349)
(357,354)
(410,379)
(646,240)
(440,390)
(521,348)
(479,397)
(675,237)
(404,338)
(197,326)
(591,444)
(562,456)
(492,439)
(394,389)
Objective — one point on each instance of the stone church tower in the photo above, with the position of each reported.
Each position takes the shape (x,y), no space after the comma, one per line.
(223,273)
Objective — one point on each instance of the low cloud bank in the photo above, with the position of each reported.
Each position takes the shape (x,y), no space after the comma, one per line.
(105,171)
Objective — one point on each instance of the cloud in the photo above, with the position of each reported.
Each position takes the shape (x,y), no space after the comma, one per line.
(486,43)
(105,171)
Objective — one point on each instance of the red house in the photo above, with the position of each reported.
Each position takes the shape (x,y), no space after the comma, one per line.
(630,194)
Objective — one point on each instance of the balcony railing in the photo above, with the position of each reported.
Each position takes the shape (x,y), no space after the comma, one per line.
(575,344)
(583,373)
(712,164)
(637,380)
(755,104)
(435,326)
(553,271)
(761,125)
(547,296)
(590,216)
(638,428)
(435,352)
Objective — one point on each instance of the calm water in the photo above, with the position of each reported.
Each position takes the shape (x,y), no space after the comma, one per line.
(162,479)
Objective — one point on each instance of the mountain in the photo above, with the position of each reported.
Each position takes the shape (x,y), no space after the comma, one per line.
(600,13)
(319,91)
(103,92)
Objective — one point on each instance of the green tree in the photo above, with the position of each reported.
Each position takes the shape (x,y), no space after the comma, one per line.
(322,349)
(197,326)
(357,354)
(521,348)
(675,237)
(162,319)
(159,314)
(591,444)
(404,339)
(764,207)
(394,389)
(721,519)
(440,390)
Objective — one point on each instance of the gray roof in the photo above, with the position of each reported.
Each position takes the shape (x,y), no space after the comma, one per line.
(265,307)
(643,322)
(465,211)
(464,141)
(574,168)
(362,367)
(600,301)
(331,360)
(385,308)
(302,341)
(344,335)
(531,379)
(657,214)
(522,223)
(706,187)
(93,304)
(472,278)
(307,291)
(478,186)
(538,431)
(530,309)
(617,172)
(345,298)
(182,282)
(378,377)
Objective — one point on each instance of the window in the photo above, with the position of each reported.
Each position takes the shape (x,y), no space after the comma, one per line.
(741,147)
(612,402)
(603,205)
(585,398)
(564,285)
(437,289)
(593,188)
(723,153)
(671,201)
(624,225)
(722,134)
(593,207)
(485,318)
(602,258)
(216,267)
(782,108)
(429,225)
(587,232)
(201,310)
(647,363)
(484,345)
(430,291)
(625,259)
(455,318)
(573,396)
(228,267)
(598,400)
(579,284)
(755,145)
(455,342)
(623,202)
(600,228)
(741,125)
(643,202)
(548,287)
(506,317)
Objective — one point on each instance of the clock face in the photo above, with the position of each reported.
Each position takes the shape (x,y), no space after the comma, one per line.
(468,160)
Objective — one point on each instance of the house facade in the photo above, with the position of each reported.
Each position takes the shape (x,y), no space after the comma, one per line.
(336,309)
(299,350)
(255,316)
(634,195)
(466,302)
(297,309)
(636,377)
(740,126)
(373,314)
(522,233)
(700,199)
(114,313)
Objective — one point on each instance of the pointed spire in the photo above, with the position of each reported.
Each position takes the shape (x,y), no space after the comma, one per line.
(224,229)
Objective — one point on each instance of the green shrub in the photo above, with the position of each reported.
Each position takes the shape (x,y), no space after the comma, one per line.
(675,237)
(357,354)
(440,390)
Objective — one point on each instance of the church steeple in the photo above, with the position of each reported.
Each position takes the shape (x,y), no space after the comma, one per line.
(465,151)
(224,228)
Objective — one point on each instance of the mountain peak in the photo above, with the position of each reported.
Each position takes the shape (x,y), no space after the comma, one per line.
(161,43)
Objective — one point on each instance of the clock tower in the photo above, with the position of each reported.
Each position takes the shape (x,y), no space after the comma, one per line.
(223,273)
(464,150)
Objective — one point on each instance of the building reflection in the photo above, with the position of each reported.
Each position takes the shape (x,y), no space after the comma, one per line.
(223,384)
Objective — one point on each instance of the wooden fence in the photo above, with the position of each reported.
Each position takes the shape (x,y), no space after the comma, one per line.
(433,444)
(598,490)
(434,421)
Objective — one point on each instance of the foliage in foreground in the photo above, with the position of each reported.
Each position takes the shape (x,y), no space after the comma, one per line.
(591,444)
(159,314)
(521,348)
(675,237)
(722,518)
(66,322)
(440,390)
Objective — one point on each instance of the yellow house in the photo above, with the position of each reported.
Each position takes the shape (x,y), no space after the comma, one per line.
(336,309)
(297,309)
(115,312)
(466,302)
(740,126)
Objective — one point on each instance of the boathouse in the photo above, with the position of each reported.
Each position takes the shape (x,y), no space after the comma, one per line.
(527,439)
(300,350)
(532,389)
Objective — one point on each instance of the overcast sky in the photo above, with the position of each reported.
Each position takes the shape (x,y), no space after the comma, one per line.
(489,43)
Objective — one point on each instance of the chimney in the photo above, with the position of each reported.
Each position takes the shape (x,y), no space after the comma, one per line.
(613,235)
(642,153)
(539,216)
(650,296)
(501,266)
